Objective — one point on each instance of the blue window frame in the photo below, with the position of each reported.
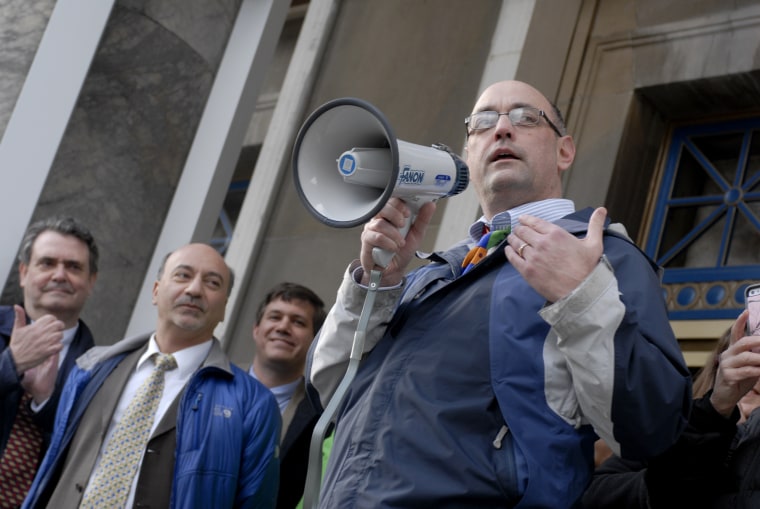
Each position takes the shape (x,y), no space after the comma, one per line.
(706,223)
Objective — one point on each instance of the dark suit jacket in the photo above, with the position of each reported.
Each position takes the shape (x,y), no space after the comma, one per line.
(10,384)
(294,452)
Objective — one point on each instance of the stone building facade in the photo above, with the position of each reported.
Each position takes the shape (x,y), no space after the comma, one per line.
(162,114)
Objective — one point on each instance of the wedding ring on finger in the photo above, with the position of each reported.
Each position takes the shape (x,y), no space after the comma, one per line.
(520,249)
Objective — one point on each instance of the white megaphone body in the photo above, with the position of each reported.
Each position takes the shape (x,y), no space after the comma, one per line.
(347,164)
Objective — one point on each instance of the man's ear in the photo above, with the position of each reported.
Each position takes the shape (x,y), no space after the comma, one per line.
(22,270)
(155,292)
(91,283)
(565,152)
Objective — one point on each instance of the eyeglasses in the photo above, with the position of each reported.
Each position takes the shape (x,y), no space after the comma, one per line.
(525,116)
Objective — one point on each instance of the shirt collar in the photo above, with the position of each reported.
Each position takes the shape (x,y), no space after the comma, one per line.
(550,210)
(188,359)
(69,334)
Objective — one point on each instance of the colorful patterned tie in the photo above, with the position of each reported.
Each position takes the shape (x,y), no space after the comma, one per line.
(19,461)
(112,480)
(483,248)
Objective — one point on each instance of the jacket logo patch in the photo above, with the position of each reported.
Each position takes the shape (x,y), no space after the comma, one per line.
(222,411)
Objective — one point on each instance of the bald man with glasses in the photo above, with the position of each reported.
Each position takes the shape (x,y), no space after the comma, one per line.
(488,373)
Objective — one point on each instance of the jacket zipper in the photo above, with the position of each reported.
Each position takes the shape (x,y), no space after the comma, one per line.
(500,436)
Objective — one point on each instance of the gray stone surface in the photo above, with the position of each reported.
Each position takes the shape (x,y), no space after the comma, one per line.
(23,23)
(124,149)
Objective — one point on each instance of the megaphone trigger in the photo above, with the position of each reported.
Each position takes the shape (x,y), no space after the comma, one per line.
(347,164)
(383,258)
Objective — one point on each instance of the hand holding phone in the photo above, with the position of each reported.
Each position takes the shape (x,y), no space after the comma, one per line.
(752,302)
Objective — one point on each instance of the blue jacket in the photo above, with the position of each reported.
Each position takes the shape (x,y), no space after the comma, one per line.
(478,394)
(228,428)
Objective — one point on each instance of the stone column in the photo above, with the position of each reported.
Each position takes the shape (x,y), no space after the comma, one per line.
(22,22)
(122,154)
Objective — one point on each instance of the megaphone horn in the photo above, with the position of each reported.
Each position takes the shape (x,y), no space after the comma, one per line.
(347,164)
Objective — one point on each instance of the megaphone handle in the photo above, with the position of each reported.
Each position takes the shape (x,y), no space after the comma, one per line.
(382,257)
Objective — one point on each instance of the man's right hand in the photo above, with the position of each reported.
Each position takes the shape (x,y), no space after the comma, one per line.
(31,344)
(39,381)
(383,232)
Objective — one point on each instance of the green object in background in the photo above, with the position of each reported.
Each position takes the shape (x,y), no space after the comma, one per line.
(326,448)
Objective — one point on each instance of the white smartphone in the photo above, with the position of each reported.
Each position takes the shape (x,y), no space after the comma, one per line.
(752,302)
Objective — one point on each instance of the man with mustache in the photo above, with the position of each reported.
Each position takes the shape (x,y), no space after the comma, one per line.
(164,419)
(58,265)
(485,385)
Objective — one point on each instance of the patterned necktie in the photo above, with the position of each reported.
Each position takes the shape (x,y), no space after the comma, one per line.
(112,479)
(19,460)
(483,248)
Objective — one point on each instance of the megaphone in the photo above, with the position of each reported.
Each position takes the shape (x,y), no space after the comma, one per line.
(347,164)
